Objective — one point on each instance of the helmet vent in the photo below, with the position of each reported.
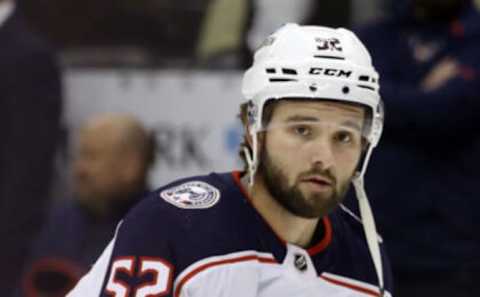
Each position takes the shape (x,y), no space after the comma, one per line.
(282,79)
(270,70)
(329,57)
(364,78)
(366,87)
(289,71)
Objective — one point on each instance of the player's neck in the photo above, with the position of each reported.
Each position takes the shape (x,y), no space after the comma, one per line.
(289,227)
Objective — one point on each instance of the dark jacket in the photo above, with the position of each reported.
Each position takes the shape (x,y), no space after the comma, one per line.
(30,103)
(68,245)
(423,178)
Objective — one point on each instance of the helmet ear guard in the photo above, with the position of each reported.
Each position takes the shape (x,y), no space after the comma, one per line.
(317,63)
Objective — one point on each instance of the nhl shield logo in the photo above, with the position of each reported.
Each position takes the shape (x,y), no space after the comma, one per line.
(192,195)
(300,262)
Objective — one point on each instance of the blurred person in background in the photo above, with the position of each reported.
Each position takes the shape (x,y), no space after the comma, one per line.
(424,177)
(110,170)
(221,43)
(30,107)
(231,30)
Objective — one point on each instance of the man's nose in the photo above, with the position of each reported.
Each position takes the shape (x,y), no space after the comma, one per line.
(321,152)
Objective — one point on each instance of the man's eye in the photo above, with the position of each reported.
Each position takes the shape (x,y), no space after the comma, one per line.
(302,130)
(344,137)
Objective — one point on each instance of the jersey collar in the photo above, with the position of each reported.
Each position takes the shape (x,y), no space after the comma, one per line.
(316,248)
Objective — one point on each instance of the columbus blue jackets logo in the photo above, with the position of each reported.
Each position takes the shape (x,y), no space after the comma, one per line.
(195,194)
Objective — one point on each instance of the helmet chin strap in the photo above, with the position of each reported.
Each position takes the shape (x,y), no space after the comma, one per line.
(251,158)
(368,220)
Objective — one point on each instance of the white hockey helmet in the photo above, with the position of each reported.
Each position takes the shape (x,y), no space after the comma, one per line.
(318,63)
(312,62)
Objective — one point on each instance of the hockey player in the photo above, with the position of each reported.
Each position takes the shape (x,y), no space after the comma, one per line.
(312,117)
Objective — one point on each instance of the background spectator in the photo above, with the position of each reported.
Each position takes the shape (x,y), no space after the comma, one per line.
(270,14)
(221,43)
(30,107)
(233,29)
(110,167)
(424,176)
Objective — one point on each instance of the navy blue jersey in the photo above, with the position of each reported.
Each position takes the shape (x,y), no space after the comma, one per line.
(201,236)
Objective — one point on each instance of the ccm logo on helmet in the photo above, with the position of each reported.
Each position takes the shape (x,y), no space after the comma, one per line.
(330,72)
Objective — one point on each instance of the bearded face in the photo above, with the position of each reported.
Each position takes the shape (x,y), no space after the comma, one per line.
(309,155)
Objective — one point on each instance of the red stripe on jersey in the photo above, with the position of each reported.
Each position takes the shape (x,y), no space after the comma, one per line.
(350,286)
(218,263)
(327,238)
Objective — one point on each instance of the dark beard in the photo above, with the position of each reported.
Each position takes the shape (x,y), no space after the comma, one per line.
(292,198)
